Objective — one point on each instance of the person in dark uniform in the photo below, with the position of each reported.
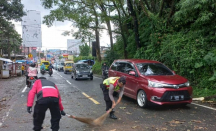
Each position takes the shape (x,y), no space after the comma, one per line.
(48,97)
(110,85)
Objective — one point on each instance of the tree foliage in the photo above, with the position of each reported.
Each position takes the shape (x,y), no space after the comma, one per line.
(84,50)
(179,33)
(10,40)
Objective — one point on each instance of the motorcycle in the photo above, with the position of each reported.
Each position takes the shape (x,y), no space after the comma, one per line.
(50,72)
(105,74)
(42,71)
(31,81)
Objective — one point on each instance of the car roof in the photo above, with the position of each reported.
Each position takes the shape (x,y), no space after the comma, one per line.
(136,61)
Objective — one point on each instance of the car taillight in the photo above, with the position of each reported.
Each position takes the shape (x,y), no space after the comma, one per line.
(31,78)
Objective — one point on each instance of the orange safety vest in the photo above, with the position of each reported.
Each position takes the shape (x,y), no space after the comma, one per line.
(112,80)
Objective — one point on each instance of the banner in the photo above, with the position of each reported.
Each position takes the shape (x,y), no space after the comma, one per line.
(31,29)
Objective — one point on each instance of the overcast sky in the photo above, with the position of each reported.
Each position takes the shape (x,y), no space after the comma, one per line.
(51,36)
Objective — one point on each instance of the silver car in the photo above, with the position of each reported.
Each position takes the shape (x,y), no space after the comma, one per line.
(81,71)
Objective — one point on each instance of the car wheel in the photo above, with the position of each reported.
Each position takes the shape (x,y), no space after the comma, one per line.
(91,78)
(142,99)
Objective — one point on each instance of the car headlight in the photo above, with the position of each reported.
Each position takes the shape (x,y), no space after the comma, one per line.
(77,72)
(187,84)
(90,71)
(155,84)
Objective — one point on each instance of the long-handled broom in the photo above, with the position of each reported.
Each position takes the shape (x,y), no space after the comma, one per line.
(95,122)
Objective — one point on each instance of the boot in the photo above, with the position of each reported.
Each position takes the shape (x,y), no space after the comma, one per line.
(112,116)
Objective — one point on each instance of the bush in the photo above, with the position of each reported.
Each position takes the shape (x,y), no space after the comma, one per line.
(96,68)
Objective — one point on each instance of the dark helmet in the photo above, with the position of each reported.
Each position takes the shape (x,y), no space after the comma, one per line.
(33,65)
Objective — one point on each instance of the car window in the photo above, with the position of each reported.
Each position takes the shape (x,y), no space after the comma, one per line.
(68,64)
(114,66)
(153,69)
(82,66)
(128,68)
(46,63)
(121,67)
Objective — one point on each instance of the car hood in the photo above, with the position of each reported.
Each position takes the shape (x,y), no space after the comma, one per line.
(168,79)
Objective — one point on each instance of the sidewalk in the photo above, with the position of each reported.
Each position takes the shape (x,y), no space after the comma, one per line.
(9,88)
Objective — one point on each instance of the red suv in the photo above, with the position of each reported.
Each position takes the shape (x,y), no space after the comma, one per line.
(148,80)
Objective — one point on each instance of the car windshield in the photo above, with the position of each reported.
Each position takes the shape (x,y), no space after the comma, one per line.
(46,63)
(153,69)
(82,66)
(68,64)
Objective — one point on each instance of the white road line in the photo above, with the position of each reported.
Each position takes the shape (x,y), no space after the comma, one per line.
(204,106)
(97,77)
(24,89)
(68,82)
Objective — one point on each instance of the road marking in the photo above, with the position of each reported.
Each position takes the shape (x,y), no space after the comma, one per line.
(24,89)
(204,106)
(90,98)
(97,77)
(68,82)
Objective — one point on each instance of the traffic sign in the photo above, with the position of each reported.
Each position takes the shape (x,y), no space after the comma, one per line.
(30,55)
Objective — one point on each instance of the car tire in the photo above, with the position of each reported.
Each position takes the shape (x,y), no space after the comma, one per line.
(142,99)
(91,78)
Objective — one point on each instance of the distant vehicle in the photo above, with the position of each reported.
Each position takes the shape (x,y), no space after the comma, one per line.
(55,66)
(68,66)
(151,81)
(81,71)
(89,62)
(60,66)
(46,63)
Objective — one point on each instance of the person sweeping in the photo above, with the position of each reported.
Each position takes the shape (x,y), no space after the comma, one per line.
(110,85)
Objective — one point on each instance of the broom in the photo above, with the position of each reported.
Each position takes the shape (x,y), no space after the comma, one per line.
(94,122)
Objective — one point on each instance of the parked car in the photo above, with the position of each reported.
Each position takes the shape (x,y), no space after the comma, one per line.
(81,71)
(151,81)
(60,66)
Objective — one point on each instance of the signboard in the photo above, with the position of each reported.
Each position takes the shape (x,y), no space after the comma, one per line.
(30,55)
(31,29)
(34,53)
(73,45)
(70,57)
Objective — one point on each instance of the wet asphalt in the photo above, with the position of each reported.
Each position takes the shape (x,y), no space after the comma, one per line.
(14,116)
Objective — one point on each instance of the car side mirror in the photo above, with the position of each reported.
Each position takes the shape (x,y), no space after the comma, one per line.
(133,73)
(174,72)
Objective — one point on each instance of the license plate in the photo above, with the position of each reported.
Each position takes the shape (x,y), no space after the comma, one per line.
(85,75)
(177,98)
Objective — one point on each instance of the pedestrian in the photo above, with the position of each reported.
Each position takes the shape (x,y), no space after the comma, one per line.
(48,97)
(110,85)
(23,68)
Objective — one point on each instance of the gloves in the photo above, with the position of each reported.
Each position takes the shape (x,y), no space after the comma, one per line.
(29,109)
(63,113)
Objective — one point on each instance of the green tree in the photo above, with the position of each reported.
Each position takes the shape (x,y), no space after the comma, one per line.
(84,50)
(10,40)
